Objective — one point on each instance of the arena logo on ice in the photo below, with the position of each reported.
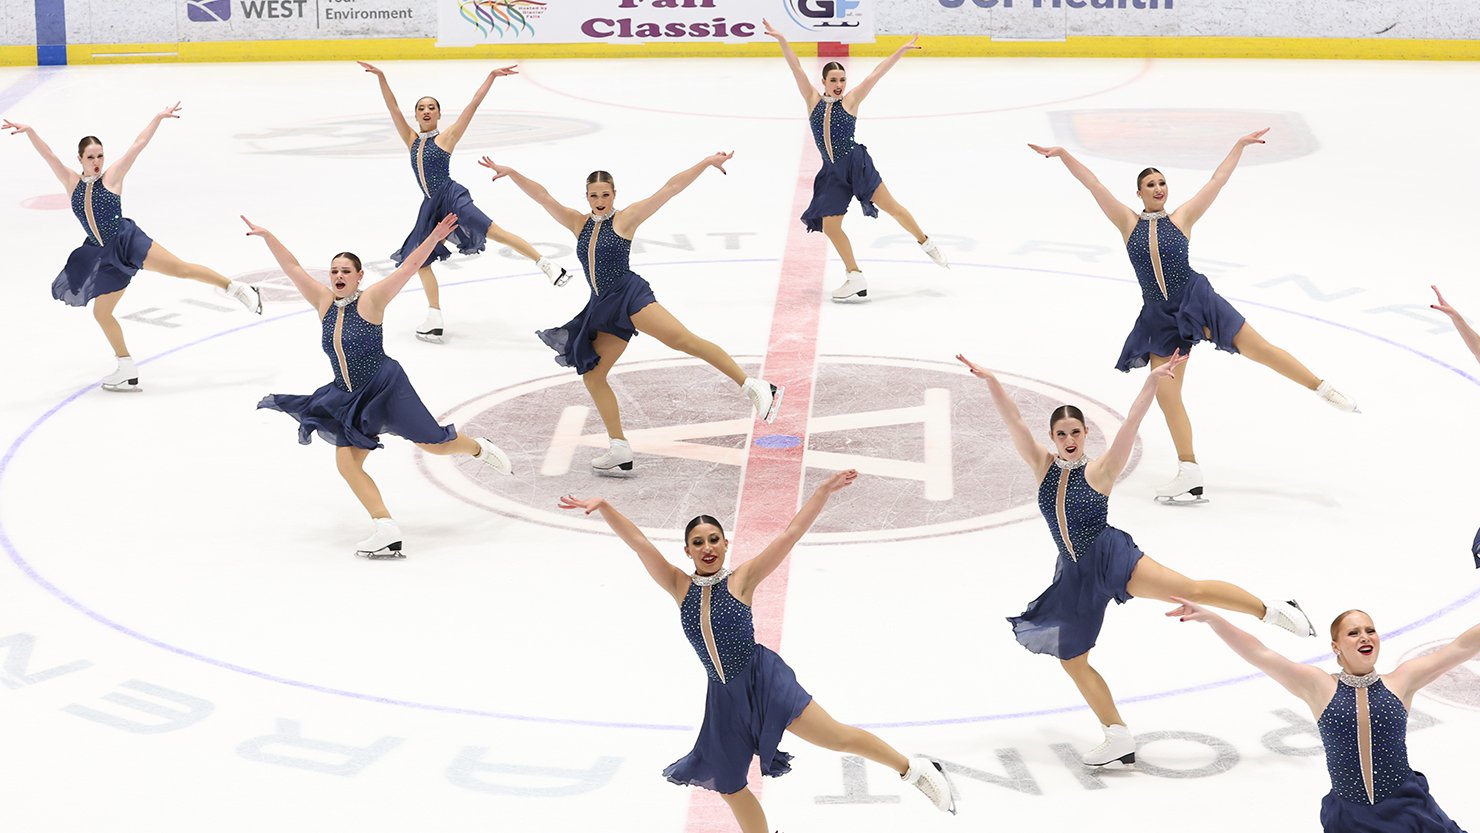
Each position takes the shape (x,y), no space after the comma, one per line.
(934,455)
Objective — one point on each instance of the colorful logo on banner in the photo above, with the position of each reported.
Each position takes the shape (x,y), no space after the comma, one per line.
(208,11)
(824,14)
(503,18)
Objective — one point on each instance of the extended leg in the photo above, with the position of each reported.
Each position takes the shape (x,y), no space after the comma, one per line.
(1152,580)
(886,201)
(162,261)
(817,727)
(479,448)
(513,241)
(1254,346)
(659,323)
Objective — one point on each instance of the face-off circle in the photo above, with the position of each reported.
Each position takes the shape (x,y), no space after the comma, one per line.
(923,435)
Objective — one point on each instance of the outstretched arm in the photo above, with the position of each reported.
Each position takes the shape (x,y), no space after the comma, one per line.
(113,177)
(804,86)
(1123,216)
(68,177)
(1192,210)
(315,293)
(398,119)
(669,577)
(749,575)
(1037,457)
(1307,682)
(856,95)
(564,215)
(638,212)
(375,299)
(1466,332)
(1408,678)
(465,118)
(1101,473)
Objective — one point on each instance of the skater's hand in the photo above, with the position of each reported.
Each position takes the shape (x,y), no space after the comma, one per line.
(15,128)
(445,227)
(573,502)
(169,112)
(1048,153)
(1255,138)
(718,160)
(1168,370)
(1443,305)
(913,43)
(498,170)
(771,30)
(372,69)
(503,71)
(254,230)
(976,370)
(838,482)
(1188,612)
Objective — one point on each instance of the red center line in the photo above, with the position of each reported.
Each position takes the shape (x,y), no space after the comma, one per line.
(770,491)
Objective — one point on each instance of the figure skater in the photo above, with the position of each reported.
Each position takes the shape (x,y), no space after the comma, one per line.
(431,160)
(753,694)
(1466,332)
(847,170)
(621,302)
(370,394)
(1179,306)
(1098,562)
(115,249)
(1362,717)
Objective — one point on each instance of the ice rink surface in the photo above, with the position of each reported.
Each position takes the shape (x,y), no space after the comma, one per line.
(187,643)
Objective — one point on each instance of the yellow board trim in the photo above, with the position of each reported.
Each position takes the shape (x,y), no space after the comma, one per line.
(951,46)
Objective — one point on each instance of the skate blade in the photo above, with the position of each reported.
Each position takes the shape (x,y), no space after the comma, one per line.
(856,298)
(131,386)
(950,785)
(1181,500)
(389,552)
(1123,762)
(775,409)
(619,470)
(431,337)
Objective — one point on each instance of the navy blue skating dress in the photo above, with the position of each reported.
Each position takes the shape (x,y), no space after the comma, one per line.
(617,293)
(1374,792)
(1177,303)
(370,394)
(1094,566)
(113,252)
(441,196)
(753,694)
(847,169)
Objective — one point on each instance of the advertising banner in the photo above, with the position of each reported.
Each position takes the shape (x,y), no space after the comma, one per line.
(479,22)
(217,20)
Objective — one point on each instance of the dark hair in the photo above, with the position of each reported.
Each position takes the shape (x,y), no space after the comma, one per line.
(1336,623)
(1142,175)
(349,256)
(1065,412)
(829,67)
(702,519)
(599,176)
(434,101)
(86,142)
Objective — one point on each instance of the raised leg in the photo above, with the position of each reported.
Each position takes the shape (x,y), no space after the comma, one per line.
(103,307)
(833,227)
(351,463)
(889,205)
(818,728)
(1252,345)
(162,261)
(747,810)
(609,348)
(660,324)
(1169,398)
(461,444)
(1152,580)
(513,241)
(1093,688)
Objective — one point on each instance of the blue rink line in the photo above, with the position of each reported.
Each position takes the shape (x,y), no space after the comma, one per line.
(51,33)
(31,573)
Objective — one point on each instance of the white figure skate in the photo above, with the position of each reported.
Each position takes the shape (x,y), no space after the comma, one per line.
(384,543)
(854,289)
(1118,748)
(930,778)
(766,398)
(617,459)
(1289,616)
(125,379)
(1186,489)
(431,328)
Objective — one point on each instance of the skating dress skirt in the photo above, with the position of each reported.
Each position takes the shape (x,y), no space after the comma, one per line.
(753,694)
(370,394)
(1178,304)
(113,252)
(617,294)
(847,169)
(1380,795)
(1094,566)
(441,196)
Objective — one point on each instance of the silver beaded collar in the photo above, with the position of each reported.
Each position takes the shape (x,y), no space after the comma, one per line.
(430,134)
(1068,466)
(1359,682)
(344,302)
(830,99)
(91,179)
(1153,215)
(601,218)
(706,581)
